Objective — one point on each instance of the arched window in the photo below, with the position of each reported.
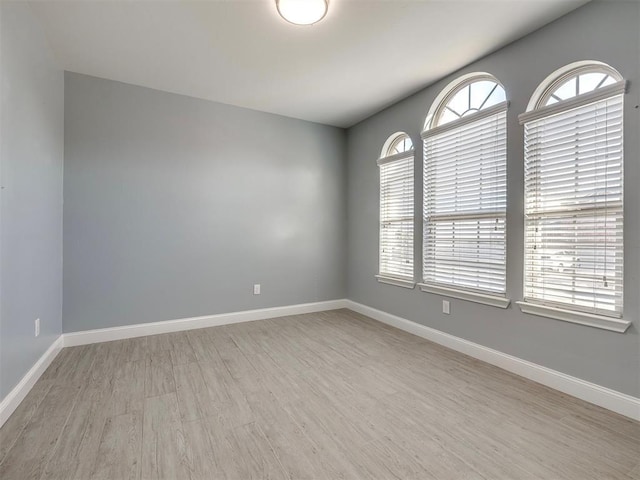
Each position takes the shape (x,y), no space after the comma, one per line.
(396,211)
(397,143)
(573,135)
(581,78)
(465,192)
(478,92)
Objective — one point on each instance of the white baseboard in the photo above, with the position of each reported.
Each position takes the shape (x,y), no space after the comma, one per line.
(13,399)
(590,392)
(604,397)
(167,326)
(15,396)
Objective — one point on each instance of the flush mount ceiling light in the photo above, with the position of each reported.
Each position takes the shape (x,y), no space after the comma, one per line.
(302,12)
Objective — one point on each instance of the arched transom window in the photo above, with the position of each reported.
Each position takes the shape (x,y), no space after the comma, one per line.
(471,96)
(578,82)
(400,143)
(465,191)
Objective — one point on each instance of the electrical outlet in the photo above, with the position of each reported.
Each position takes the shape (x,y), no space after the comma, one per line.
(37,331)
(256,289)
(446,307)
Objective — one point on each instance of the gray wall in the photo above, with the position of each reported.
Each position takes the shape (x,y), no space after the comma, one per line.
(174,207)
(606,32)
(31,161)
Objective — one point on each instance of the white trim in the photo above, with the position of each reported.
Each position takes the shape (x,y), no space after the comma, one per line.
(142,329)
(572,316)
(396,157)
(574,102)
(13,399)
(24,386)
(477,297)
(485,113)
(587,391)
(398,282)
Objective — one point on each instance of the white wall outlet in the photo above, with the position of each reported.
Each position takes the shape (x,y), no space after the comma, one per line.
(256,289)
(446,307)
(37,330)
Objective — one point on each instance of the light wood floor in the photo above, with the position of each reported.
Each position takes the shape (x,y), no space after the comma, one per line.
(321,396)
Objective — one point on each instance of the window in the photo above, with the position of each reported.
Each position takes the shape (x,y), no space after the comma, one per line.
(465,192)
(396,211)
(573,135)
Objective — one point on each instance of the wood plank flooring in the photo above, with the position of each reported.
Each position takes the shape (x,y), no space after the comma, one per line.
(332,395)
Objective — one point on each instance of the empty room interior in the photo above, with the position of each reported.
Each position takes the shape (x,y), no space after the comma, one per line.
(320,239)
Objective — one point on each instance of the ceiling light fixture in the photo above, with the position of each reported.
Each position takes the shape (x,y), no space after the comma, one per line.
(302,12)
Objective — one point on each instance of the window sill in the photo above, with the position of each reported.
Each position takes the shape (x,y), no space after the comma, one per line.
(484,298)
(589,319)
(396,281)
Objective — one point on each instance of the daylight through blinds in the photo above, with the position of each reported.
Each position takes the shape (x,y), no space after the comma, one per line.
(574,207)
(396,216)
(465,195)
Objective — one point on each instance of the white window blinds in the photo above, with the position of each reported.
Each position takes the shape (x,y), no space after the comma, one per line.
(396,216)
(574,207)
(465,202)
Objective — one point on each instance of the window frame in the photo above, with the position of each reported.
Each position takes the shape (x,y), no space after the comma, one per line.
(388,157)
(538,110)
(432,127)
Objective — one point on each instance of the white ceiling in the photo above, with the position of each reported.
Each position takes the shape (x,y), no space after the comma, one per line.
(362,57)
